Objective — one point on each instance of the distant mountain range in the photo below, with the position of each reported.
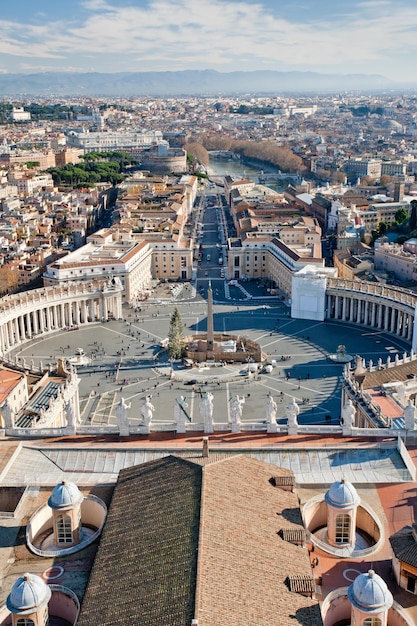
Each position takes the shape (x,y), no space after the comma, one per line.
(188,82)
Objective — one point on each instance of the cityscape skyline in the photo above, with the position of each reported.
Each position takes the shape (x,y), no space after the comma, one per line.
(366,37)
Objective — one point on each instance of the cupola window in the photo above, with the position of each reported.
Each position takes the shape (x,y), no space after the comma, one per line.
(64,530)
(342,528)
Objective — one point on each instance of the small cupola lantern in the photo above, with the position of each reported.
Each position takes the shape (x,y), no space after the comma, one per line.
(342,503)
(370,599)
(65,502)
(28,601)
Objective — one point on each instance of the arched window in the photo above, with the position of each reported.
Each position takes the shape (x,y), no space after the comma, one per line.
(372,621)
(63,528)
(24,621)
(342,534)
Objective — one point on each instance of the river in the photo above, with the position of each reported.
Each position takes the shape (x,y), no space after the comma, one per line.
(236,169)
(221,167)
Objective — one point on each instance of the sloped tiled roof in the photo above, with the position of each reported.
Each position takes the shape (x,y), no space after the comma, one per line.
(244,564)
(376,378)
(145,568)
(228,512)
(404,546)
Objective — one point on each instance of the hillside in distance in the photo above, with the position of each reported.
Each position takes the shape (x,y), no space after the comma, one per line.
(187,82)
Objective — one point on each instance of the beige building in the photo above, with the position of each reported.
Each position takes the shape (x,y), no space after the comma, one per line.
(272,258)
(391,257)
(241,186)
(350,266)
(108,254)
(380,212)
(45,158)
(170,260)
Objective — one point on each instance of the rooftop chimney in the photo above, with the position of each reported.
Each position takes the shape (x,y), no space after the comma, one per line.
(205,447)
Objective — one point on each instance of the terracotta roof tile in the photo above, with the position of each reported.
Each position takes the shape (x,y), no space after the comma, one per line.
(244,565)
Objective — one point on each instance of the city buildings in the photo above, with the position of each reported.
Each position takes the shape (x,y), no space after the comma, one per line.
(223,537)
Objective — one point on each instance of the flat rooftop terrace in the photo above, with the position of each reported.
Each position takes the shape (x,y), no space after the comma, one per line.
(90,463)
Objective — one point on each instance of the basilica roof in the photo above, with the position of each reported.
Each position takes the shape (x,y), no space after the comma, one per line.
(185,540)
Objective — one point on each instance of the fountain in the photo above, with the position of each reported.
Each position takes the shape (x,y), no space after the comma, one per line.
(341,356)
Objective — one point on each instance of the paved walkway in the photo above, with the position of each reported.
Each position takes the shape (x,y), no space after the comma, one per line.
(127,361)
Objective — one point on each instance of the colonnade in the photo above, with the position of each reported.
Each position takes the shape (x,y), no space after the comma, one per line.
(24,316)
(377,306)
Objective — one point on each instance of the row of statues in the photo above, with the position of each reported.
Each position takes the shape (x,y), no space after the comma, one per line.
(206,410)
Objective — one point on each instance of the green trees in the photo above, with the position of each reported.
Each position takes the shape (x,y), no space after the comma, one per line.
(400,216)
(96,167)
(175,336)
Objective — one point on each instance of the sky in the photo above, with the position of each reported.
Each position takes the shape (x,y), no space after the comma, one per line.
(330,36)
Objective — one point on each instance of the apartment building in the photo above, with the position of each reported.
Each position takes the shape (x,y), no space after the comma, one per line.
(171,260)
(101,141)
(364,167)
(241,187)
(270,258)
(380,212)
(45,158)
(396,259)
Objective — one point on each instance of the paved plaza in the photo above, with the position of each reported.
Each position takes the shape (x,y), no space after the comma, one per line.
(128,362)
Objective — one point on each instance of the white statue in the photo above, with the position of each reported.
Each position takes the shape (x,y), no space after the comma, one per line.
(401,391)
(7,414)
(147,410)
(292,411)
(122,417)
(180,413)
(236,409)
(206,411)
(271,411)
(348,414)
(69,414)
(410,416)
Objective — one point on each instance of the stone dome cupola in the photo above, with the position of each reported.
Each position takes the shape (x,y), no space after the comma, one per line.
(342,502)
(65,502)
(369,597)
(29,596)
(65,496)
(342,495)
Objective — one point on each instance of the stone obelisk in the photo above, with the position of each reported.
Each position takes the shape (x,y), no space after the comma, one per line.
(210,329)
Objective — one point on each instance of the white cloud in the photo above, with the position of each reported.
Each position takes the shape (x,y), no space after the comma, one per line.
(217,34)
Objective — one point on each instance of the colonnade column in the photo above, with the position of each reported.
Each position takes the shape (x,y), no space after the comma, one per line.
(336,305)
(41,321)
(410,328)
(29,325)
(16,330)
(365,320)
(91,307)
(4,339)
(386,317)
(48,318)
(344,305)
(118,307)
(77,312)
(393,320)
(380,315)
(359,311)
(373,314)
(84,314)
(22,328)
